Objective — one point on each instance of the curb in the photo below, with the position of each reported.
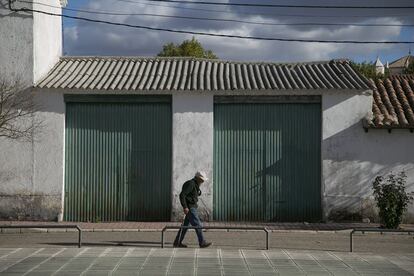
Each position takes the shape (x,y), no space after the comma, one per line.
(152,230)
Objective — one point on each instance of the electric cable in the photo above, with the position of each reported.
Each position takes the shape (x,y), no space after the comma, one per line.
(102,12)
(280,5)
(207,33)
(138,2)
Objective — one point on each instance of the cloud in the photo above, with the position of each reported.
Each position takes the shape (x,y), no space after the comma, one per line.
(86,38)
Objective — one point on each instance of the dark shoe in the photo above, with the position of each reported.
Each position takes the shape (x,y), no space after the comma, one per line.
(205,244)
(181,245)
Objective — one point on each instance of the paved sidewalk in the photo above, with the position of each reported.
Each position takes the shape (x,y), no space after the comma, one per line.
(157,226)
(305,240)
(139,261)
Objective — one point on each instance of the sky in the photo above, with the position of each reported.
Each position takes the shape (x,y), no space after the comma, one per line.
(92,39)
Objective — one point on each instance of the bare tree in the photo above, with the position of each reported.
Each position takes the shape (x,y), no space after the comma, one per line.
(17,111)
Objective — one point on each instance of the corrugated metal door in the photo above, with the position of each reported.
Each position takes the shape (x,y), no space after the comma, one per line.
(267,164)
(118,159)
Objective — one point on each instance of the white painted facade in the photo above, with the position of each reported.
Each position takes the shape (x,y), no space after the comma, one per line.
(16,48)
(47,38)
(352,158)
(31,44)
(379,67)
(32,173)
(193,130)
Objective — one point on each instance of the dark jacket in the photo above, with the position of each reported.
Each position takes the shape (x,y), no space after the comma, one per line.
(189,194)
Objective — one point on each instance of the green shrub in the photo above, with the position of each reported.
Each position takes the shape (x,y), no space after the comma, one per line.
(409,69)
(368,70)
(391,198)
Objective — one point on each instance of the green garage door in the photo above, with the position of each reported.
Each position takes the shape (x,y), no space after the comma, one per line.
(118,158)
(267,164)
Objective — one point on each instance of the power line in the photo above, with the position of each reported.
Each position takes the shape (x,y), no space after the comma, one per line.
(281,5)
(101,12)
(261,13)
(212,34)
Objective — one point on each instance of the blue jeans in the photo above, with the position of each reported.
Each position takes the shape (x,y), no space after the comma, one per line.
(193,219)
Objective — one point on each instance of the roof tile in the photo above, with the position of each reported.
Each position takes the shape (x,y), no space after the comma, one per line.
(393,105)
(192,74)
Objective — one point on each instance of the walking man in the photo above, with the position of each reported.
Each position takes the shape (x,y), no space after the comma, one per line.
(188,199)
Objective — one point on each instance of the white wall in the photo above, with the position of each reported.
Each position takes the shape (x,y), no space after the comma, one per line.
(192,147)
(352,158)
(30,44)
(47,37)
(31,173)
(16,44)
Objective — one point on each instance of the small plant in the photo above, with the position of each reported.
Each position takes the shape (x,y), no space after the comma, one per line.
(391,198)
(96,219)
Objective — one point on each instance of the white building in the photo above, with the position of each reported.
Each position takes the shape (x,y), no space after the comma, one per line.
(379,67)
(279,142)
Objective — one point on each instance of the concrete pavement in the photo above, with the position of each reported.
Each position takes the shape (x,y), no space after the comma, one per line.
(307,240)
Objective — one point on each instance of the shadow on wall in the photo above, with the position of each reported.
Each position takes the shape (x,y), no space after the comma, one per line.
(267,162)
(193,103)
(289,188)
(353,158)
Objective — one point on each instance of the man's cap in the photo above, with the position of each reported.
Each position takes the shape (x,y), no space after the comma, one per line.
(202,175)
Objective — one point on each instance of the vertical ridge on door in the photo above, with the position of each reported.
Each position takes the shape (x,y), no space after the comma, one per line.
(117,161)
(267,161)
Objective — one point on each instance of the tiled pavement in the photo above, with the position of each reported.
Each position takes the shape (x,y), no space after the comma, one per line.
(145,261)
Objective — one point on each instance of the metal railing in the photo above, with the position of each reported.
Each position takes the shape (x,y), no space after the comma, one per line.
(217,228)
(264,229)
(377,230)
(33,226)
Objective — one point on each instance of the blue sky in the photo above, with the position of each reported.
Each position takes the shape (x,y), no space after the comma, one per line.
(83,38)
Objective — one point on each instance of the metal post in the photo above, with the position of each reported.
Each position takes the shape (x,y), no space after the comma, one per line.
(267,239)
(46,226)
(351,247)
(180,228)
(79,237)
(162,237)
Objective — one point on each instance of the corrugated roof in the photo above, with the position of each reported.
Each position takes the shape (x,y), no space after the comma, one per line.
(393,105)
(133,73)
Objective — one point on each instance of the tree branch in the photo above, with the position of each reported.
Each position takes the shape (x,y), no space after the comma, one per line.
(17,111)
